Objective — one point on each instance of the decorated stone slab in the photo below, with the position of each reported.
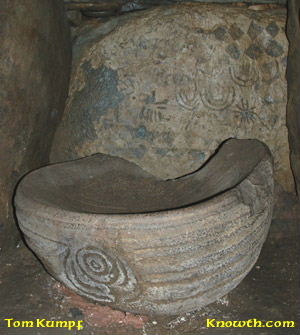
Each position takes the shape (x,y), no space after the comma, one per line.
(163,88)
(119,236)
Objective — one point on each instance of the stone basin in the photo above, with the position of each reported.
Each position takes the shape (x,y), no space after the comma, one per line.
(119,236)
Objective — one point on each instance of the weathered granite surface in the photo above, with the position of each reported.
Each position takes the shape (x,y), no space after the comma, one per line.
(34,75)
(293,77)
(165,87)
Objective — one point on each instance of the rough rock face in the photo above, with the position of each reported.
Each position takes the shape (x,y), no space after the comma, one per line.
(293,77)
(104,8)
(165,87)
(34,71)
(95,4)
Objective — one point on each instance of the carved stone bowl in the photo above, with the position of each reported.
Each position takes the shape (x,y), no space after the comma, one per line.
(117,235)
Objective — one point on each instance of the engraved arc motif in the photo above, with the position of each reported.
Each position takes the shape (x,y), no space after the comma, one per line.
(97,274)
(210,100)
(244,73)
(187,95)
(210,64)
(270,71)
(93,272)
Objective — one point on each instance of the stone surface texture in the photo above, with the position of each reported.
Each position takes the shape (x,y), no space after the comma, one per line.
(35,58)
(102,8)
(74,3)
(293,77)
(164,87)
(101,316)
(119,236)
(272,297)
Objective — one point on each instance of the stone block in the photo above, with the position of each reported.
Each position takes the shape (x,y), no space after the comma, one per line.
(164,87)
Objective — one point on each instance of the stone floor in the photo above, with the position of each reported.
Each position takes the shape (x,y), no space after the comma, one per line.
(269,292)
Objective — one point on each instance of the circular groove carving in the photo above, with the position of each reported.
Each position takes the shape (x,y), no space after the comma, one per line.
(174,259)
(96,274)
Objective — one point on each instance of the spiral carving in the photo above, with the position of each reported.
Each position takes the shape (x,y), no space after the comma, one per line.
(99,275)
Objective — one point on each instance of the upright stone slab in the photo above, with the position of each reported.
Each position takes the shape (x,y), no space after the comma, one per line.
(163,88)
(34,71)
(293,77)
